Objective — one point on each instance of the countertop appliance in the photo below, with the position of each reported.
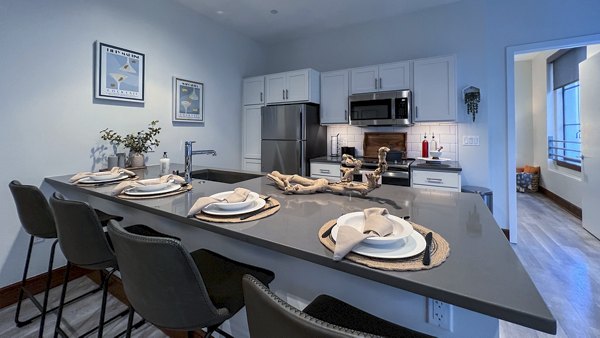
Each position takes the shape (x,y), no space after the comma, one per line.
(398,172)
(291,134)
(391,108)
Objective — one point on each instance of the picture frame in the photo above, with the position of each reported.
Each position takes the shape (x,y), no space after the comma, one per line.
(120,73)
(188,101)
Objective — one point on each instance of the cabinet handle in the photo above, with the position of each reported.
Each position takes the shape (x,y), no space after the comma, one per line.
(434,180)
(287,94)
(417,111)
(379,83)
(261,97)
(283,94)
(346,114)
(325,171)
(375,83)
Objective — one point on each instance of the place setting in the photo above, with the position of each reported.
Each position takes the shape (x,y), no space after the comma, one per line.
(239,205)
(377,239)
(102,178)
(167,185)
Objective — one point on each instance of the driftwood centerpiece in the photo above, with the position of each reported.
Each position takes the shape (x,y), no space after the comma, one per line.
(296,184)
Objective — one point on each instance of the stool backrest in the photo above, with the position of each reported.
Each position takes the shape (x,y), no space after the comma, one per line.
(33,210)
(270,316)
(162,281)
(80,234)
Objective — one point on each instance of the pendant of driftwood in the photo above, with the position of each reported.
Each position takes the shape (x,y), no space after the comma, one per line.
(296,184)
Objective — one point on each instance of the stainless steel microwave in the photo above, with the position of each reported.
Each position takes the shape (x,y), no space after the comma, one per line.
(391,108)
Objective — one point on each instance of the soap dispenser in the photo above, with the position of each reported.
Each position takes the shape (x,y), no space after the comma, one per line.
(164,164)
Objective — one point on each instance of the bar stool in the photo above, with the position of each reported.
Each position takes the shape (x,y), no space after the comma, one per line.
(38,221)
(174,289)
(84,243)
(270,316)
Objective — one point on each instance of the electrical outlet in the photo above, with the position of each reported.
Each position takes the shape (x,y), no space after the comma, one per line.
(470,140)
(440,314)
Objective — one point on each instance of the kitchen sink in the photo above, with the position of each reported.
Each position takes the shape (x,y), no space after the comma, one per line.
(223,176)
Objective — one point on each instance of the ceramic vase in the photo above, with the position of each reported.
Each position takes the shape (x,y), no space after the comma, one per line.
(136,159)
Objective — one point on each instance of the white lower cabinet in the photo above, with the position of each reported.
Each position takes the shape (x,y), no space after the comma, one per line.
(437,180)
(329,171)
(251,164)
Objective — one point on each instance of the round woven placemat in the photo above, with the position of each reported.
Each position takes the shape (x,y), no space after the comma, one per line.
(440,250)
(181,190)
(236,218)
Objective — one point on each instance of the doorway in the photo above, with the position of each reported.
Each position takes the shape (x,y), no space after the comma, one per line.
(512,53)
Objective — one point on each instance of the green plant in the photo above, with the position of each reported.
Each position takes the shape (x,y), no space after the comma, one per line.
(140,142)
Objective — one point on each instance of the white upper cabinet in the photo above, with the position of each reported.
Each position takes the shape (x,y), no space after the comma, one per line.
(295,86)
(334,97)
(254,90)
(389,76)
(434,93)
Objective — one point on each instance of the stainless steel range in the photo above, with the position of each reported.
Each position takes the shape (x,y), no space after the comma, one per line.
(398,172)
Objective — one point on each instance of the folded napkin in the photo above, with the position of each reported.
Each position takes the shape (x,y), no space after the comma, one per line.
(238,195)
(115,170)
(375,224)
(132,184)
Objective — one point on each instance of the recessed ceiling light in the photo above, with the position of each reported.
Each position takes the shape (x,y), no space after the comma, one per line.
(274,11)
(220,12)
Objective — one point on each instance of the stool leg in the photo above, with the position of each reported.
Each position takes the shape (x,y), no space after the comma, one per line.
(130,322)
(23,281)
(48,283)
(103,306)
(57,329)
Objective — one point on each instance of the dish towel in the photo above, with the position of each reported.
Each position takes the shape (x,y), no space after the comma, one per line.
(132,184)
(238,195)
(376,224)
(115,170)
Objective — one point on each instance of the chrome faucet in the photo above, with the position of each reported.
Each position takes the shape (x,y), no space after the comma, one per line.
(189,152)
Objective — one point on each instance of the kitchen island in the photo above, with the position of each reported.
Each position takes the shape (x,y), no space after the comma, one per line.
(482,277)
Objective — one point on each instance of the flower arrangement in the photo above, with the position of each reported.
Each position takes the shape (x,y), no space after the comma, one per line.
(140,142)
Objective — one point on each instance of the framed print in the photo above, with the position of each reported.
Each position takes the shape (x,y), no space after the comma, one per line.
(119,73)
(188,101)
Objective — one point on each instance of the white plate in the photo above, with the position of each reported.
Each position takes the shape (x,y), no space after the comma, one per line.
(234,206)
(412,246)
(104,176)
(152,187)
(89,180)
(434,160)
(135,192)
(212,209)
(402,229)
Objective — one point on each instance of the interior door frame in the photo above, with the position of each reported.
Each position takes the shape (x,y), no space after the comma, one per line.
(511,149)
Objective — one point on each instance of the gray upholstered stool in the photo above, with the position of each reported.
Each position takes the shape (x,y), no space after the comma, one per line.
(38,221)
(270,316)
(84,243)
(177,290)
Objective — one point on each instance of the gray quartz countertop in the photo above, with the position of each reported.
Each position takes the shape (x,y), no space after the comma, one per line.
(453,166)
(327,159)
(482,273)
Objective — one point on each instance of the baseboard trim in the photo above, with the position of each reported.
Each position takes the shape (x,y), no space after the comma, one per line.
(568,206)
(9,295)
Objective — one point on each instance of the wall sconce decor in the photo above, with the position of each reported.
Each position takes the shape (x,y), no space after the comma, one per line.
(472,97)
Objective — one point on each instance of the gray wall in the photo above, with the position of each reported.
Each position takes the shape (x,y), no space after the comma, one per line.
(49,121)
(478,32)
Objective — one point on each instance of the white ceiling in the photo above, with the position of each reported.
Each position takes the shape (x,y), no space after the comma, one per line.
(298,18)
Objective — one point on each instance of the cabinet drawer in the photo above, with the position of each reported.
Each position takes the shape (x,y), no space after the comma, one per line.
(436,178)
(325,169)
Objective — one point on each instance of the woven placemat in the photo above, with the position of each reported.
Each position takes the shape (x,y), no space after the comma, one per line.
(96,185)
(236,218)
(440,250)
(181,190)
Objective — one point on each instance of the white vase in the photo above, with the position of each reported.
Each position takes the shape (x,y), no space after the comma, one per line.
(136,159)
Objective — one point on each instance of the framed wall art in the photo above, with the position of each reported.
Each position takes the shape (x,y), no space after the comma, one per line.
(188,101)
(120,73)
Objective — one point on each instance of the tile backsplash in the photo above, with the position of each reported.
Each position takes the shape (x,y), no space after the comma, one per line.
(446,135)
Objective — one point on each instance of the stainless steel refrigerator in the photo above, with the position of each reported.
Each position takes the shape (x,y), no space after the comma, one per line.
(291,135)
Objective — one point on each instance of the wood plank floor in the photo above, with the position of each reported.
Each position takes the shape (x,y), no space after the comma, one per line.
(561,257)
(563,260)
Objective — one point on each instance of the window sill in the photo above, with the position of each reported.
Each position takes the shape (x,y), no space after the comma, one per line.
(567,165)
